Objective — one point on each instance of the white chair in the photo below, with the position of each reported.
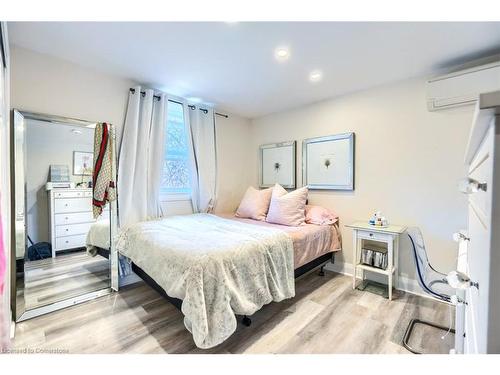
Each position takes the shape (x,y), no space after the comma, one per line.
(431,281)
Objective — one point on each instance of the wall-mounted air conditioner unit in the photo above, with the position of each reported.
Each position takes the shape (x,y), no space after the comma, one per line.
(462,87)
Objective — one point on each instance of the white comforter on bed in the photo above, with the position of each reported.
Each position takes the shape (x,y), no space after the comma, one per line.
(218,267)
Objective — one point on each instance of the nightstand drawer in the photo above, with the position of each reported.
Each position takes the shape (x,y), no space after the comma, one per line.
(374,236)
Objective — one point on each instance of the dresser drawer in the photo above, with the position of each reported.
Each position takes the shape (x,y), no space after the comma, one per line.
(63,205)
(72,194)
(78,217)
(70,242)
(75,218)
(72,229)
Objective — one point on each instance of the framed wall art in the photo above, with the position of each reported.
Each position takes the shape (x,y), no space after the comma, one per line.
(328,162)
(83,163)
(278,164)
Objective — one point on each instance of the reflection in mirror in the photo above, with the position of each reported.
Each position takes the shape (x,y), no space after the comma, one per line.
(62,252)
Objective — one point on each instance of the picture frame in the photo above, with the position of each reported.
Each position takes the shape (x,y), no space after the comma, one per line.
(328,162)
(278,164)
(58,173)
(83,163)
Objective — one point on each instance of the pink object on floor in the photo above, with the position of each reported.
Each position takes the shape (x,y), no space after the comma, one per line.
(3,264)
(4,320)
(320,216)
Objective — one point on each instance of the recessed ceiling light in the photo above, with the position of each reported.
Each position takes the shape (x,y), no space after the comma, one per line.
(315,76)
(282,53)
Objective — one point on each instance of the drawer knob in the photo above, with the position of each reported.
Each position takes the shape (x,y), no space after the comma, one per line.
(469,186)
(67,230)
(458,236)
(371,234)
(67,241)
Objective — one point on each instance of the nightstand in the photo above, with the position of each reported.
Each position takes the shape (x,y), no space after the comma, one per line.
(388,235)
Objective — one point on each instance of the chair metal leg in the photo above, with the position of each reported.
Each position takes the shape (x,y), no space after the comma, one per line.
(409,330)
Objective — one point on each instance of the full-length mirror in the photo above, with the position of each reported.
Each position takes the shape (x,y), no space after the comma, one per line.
(62,252)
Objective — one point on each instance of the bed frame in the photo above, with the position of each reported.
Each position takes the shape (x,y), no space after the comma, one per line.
(315,263)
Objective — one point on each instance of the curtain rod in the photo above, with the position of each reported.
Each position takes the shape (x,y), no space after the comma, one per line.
(132,90)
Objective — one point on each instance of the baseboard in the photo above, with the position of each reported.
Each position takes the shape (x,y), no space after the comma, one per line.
(404,283)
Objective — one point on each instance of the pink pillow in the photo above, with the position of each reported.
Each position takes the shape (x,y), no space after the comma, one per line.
(287,208)
(320,215)
(255,204)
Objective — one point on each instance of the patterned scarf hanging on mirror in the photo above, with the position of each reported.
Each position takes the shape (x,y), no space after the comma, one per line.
(103,181)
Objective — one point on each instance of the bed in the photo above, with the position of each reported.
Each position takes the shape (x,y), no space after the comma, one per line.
(216,267)
(310,241)
(98,239)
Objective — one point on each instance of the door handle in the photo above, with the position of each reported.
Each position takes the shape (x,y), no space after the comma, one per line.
(469,185)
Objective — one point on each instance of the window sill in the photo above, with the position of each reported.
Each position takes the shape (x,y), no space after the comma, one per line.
(180,197)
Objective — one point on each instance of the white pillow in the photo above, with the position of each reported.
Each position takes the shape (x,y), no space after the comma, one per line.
(287,208)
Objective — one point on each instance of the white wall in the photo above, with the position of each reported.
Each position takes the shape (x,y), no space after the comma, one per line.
(47,144)
(235,158)
(407,162)
(41,83)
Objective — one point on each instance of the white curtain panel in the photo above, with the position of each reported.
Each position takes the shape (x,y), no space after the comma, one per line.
(204,158)
(141,157)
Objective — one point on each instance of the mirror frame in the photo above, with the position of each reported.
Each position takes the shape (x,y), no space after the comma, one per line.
(17,297)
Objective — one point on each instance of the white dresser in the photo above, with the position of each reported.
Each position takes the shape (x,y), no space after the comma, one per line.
(70,217)
(479,318)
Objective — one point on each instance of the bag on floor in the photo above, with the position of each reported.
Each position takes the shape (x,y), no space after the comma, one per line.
(39,250)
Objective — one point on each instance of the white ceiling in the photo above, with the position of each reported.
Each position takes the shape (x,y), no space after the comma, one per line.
(232,64)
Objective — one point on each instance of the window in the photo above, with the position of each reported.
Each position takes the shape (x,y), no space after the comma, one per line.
(176,173)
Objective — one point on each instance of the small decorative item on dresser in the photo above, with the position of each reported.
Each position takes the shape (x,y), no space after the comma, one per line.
(59,173)
(378,220)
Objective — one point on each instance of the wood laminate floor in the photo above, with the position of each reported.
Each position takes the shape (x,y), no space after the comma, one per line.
(326,316)
(67,275)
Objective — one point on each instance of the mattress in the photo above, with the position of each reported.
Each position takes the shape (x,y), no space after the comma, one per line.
(98,235)
(310,241)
